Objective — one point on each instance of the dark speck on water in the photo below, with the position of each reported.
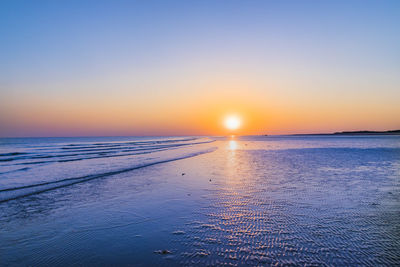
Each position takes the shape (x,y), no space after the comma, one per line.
(163,252)
(178,232)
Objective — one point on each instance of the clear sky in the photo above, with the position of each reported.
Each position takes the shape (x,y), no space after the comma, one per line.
(73,68)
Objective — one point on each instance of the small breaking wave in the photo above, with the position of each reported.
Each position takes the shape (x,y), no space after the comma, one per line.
(47,175)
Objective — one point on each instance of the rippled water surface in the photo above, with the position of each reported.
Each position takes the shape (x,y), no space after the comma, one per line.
(313,200)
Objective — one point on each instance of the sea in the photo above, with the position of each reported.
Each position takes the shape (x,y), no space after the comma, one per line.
(315,200)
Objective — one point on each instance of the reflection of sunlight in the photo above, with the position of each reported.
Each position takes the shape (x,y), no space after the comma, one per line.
(232,145)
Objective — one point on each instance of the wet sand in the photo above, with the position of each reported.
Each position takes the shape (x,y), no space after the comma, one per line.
(319,202)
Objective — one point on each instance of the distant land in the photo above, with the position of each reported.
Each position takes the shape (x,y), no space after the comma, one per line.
(392,132)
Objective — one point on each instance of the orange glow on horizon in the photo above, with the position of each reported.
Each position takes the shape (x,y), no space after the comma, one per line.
(178,113)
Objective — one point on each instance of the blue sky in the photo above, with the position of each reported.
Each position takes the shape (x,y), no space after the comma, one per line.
(150,50)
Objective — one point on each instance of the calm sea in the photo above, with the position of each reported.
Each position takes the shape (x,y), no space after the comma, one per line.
(173,201)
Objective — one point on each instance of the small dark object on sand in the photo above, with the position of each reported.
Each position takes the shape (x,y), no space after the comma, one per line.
(189,194)
(178,233)
(183,173)
(210,180)
(163,252)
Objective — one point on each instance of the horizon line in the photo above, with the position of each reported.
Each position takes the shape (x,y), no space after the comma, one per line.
(338,133)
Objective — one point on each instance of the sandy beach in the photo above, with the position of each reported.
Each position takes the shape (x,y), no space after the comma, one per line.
(252,201)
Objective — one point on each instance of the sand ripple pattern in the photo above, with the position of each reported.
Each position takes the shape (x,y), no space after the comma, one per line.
(299,208)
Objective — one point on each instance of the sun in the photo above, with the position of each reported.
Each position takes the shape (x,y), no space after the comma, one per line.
(232,122)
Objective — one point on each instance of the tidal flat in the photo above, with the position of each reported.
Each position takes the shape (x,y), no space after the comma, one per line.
(241,201)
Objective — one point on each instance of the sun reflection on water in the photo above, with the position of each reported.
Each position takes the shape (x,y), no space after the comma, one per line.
(232,145)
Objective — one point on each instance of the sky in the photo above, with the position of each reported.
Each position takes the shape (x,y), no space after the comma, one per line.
(104,68)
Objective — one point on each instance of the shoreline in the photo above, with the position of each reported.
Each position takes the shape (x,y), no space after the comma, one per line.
(357,133)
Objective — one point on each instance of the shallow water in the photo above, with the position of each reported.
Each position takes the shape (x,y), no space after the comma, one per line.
(318,200)
(33,165)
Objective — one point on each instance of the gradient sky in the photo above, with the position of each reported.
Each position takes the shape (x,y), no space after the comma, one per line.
(78,68)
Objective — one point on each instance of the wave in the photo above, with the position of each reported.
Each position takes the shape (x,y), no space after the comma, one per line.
(73,152)
(11,154)
(48,177)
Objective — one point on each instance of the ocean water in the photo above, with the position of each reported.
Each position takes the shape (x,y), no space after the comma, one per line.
(185,201)
(33,165)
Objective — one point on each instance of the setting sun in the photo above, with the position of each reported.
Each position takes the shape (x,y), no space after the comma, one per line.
(232,122)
